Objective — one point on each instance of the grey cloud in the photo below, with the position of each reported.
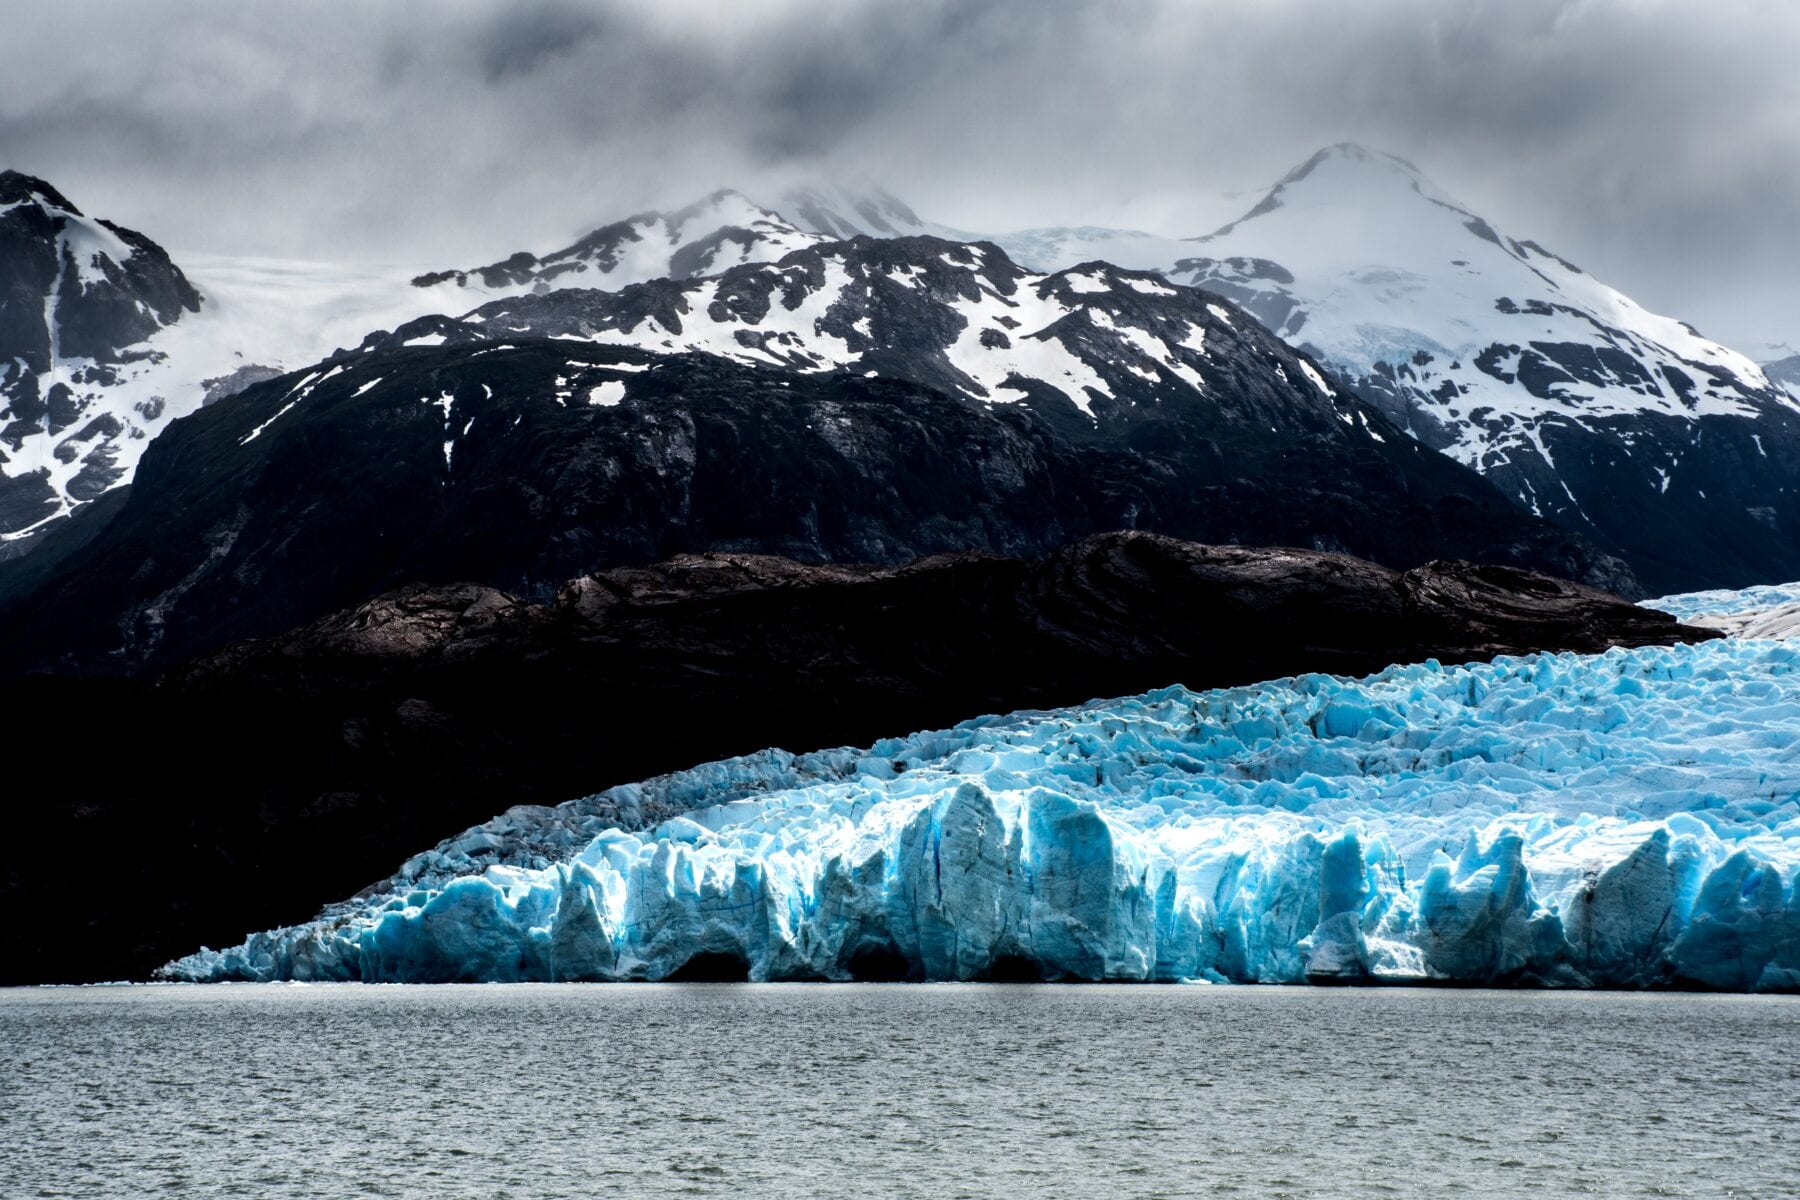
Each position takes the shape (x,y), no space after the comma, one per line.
(518,39)
(1653,142)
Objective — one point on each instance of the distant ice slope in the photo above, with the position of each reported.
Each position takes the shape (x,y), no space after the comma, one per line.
(839,212)
(1630,819)
(1055,248)
(1758,612)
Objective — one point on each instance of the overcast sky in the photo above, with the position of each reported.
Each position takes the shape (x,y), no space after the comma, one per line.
(1656,143)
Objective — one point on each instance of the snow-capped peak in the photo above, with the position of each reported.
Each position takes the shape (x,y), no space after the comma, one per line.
(841,212)
(717,232)
(1376,263)
(1347,177)
(960,317)
(1360,258)
(81,300)
(1567,393)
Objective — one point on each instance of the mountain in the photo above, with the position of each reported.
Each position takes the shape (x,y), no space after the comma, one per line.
(711,235)
(865,401)
(1572,400)
(105,341)
(1785,373)
(326,755)
(1668,449)
(79,298)
(720,231)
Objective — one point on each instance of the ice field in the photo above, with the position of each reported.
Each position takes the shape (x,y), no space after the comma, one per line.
(1629,819)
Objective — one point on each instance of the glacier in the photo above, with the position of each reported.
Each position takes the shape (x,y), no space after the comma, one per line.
(1767,611)
(1726,602)
(1628,819)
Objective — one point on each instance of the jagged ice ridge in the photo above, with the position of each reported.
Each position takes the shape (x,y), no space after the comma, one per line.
(1630,819)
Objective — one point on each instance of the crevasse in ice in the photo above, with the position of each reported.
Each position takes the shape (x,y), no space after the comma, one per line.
(1627,819)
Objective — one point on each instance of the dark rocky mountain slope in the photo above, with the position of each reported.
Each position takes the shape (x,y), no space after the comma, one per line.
(519,463)
(330,753)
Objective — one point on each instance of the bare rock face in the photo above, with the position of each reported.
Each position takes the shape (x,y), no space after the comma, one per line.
(343,745)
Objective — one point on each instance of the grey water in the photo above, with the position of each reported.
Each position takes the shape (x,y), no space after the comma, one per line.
(872,1090)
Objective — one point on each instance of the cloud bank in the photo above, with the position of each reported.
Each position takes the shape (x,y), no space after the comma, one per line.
(1653,142)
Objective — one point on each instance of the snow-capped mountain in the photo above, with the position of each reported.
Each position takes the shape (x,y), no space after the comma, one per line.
(722,230)
(728,229)
(1358,255)
(961,317)
(78,300)
(104,341)
(1625,427)
(864,401)
(1612,420)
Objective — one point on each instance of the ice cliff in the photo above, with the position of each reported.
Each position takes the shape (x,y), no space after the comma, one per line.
(1628,819)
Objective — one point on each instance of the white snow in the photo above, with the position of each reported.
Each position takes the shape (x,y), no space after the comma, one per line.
(257,432)
(606,394)
(1386,266)
(1316,379)
(256,311)
(1148,286)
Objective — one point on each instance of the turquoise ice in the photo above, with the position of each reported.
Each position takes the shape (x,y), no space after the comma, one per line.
(1629,819)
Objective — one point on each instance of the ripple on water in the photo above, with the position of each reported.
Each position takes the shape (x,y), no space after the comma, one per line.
(722,1090)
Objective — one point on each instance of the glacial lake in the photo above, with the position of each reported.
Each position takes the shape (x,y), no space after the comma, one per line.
(535,1091)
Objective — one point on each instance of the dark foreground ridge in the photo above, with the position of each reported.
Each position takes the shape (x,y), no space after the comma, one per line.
(330,753)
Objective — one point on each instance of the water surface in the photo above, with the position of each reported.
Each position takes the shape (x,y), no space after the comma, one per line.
(871,1090)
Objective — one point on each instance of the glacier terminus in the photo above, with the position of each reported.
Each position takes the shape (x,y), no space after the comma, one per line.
(1628,819)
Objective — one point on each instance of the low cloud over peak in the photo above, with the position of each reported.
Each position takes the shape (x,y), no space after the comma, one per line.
(1651,141)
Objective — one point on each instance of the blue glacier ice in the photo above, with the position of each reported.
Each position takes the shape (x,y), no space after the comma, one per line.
(1770,611)
(1628,819)
(1726,602)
